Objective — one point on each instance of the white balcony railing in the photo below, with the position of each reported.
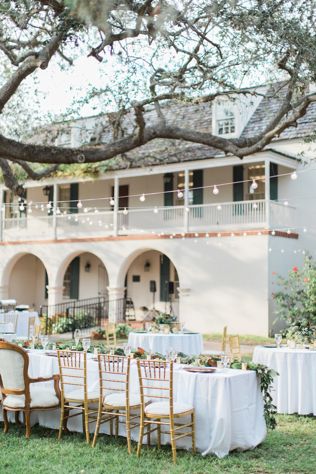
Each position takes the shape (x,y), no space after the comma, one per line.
(177,219)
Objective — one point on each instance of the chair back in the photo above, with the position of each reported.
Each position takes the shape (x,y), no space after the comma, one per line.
(114,373)
(14,363)
(155,381)
(72,372)
(224,339)
(234,345)
(111,335)
(8,322)
(31,332)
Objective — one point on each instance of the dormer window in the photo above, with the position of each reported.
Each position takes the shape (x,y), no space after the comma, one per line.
(226,126)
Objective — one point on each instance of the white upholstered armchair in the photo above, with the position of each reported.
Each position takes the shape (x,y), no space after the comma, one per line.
(19,391)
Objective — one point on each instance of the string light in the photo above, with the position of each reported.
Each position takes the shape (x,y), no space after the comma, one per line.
(254,184)
(112,202)
(79,204)
(125,211)
(294,175)
(180,194)
(219,207)
(155,210)
(215,190)
(142,198)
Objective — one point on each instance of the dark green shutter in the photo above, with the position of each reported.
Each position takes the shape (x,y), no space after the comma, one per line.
(198,183)
(5,204)
(74,278)
(50,199)
(46,285)
(164,278)
(24,202)
(168,188)
(74,194)
(238,187)
(273,182)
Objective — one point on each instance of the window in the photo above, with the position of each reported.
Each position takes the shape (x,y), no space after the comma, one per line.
(180,187)
(64,197)
(226,125)
(256,172)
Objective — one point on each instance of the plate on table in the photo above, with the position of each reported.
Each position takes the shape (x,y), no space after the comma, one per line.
(51,353)
(200,370)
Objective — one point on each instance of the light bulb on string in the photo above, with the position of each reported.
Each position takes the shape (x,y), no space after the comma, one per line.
(79,204)
(125,211)
(22,208)
(254,184)
(273,232)
(156,210)
(142,198)
(286,203)
(86,209)
(112,202)
(49,205)
(294,175)
(215,190)
(255,206)
(219,207)
(180,194)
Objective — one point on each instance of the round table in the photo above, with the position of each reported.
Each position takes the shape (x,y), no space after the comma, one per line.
(188,343)
(294,390)
(228,405)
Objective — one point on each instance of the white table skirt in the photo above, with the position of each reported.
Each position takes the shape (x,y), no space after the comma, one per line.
(228,405)
(23,323)
(155,342)
(294,390)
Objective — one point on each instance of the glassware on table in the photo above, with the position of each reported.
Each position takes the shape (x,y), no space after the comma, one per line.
(77,336)
(225,361)
(278,340)
(86,343)
(44,341)
(173,354)
(127,350)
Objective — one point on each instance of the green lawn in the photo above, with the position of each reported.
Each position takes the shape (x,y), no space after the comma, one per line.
(250,339)
(289,449)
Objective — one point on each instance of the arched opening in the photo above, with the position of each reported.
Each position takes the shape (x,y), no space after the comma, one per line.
(85,277)
(27,282)
(152,281)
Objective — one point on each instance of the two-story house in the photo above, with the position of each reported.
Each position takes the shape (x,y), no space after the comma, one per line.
(174,225)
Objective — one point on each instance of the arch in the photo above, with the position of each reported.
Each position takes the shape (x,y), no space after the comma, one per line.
(25,274)
(63,265)
(123,269)
(82,274)
(7,270)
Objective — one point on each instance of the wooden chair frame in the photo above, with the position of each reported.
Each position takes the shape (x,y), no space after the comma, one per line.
(27,409)
(234,346)
(75,361)
(118,367)
(150,373)
(111,335)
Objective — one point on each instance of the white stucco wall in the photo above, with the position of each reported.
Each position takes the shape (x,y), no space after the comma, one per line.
(27,281)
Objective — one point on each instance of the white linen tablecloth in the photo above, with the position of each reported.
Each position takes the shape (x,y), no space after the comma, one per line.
(228,405)
(22,326)
(188,343)
(294,390)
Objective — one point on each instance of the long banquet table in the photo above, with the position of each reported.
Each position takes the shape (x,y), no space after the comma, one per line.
(188,343)
(294,389)
(228,405)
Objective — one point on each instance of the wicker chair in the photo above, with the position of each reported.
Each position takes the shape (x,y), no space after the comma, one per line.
(156,382)
(21,393)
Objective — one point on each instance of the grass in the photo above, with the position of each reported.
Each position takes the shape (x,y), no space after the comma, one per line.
(290,449)
(248,340)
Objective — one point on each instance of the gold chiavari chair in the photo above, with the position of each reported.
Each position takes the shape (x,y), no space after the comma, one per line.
(31,327)
(111,335)
(115,401)
(74,390)
(224,339)
(234,346)
(156,382)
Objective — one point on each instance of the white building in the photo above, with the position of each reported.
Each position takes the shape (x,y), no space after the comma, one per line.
(190,220)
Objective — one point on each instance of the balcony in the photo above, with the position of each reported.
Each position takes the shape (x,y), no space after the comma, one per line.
(228,216)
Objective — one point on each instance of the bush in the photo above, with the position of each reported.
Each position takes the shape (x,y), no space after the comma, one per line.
(122,330)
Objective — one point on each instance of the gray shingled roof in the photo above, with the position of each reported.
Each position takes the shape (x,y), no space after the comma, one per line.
(194,116)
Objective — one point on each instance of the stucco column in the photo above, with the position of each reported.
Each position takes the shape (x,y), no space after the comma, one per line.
(116,304)
(4,292)
(184,295)
(55,296)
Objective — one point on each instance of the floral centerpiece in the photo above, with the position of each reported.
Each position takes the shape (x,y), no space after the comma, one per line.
(296,302)
(164,320)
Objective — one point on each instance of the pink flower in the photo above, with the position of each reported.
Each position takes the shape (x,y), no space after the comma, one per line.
(306,280)
(295,269)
